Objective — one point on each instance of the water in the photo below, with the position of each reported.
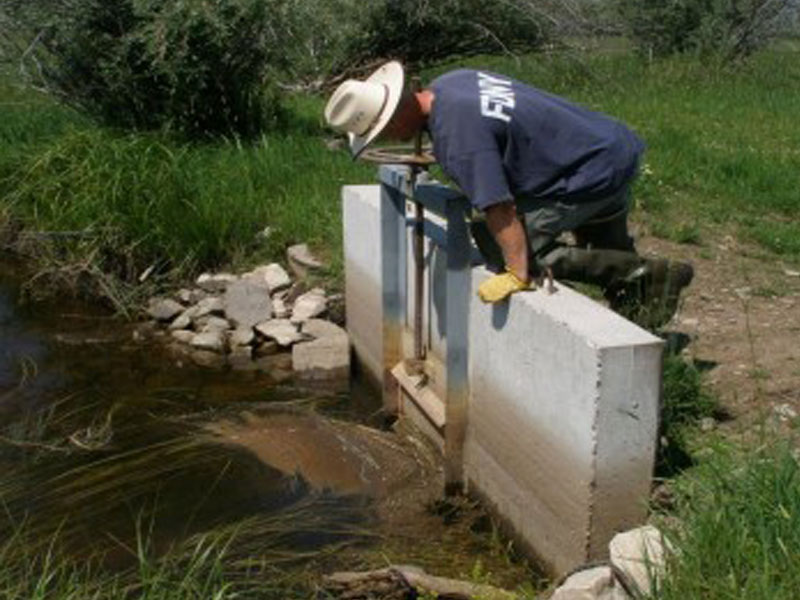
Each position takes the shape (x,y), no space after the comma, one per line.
(108,443)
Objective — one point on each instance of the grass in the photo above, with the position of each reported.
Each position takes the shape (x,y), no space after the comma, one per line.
(135,200)
(739,532)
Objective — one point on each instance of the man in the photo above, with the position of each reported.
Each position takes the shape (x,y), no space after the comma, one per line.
(515,150)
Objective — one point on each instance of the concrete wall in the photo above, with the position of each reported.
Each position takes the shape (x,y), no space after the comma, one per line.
(562,400)
(562,420)
(362,255)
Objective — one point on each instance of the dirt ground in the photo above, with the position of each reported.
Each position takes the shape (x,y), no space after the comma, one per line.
(742,318)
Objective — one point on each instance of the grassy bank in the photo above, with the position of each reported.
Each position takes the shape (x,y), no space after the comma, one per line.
(722,159)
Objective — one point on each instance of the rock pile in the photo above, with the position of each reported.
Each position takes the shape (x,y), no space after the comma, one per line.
(260,320)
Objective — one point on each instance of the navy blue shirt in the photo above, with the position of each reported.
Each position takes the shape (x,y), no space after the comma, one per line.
(501,140)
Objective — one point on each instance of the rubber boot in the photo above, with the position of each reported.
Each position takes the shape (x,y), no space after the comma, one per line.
(645,290)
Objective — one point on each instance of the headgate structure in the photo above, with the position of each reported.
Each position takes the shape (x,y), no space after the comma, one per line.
(545,406)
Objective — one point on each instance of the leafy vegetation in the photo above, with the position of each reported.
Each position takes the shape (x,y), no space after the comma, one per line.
(726,29)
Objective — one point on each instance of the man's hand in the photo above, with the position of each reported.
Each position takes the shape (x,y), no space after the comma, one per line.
(499,287)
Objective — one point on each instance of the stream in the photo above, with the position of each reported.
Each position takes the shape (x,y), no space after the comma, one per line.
(111,446)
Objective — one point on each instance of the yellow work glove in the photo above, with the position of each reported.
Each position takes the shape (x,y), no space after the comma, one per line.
(499,287)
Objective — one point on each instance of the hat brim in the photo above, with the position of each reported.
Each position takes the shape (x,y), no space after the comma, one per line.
(392,77)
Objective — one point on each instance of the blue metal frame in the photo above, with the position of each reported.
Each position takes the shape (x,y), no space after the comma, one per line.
(396,187)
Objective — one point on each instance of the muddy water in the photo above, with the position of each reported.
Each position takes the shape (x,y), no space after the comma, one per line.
(106,441)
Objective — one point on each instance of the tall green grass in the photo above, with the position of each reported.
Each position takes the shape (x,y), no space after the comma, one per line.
(739,528)
(132,200)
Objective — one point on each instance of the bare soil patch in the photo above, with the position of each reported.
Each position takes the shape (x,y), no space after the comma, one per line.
(742,316)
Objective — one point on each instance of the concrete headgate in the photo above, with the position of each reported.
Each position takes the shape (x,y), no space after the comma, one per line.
(545,406)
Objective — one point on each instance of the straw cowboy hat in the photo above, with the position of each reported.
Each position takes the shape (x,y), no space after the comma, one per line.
(362,109)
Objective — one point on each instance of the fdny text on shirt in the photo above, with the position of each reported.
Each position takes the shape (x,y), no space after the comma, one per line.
(497,97)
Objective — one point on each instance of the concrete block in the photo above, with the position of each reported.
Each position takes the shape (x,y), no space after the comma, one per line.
(562,419)
(363,287)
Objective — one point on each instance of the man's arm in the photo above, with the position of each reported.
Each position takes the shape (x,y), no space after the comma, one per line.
(510,235)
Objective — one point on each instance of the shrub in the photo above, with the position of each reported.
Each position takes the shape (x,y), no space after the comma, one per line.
(420,32)
(199,67)
(729,29)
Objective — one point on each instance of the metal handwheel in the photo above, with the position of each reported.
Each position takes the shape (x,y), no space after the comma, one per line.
(399,155)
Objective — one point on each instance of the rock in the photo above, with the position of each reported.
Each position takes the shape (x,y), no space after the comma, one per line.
(298,289)
(209,340)
(185,296)
(163,309)
(207,306)
(309,305)
(301,260)
(215,282)
(707,424)
(247,303)
(242,336)
(183,321)
(240,357)
(319,328)
(208,359)
(785,412)
(282,331)
(323,358)
(791,273)
(273,275)
(279,308)
(591,584)
(639,554)
(267,348)
(212,323)
(183,336)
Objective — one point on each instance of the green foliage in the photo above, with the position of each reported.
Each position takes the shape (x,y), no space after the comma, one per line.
(739,532)
(199,67)
(729,29)
(422,32)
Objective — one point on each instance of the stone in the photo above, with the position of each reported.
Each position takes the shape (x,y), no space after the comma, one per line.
(323,358)
(279,308)
(273,275)
(591,584)
(301,260)
(298,289)
(282,331)
(215,282)
(182,321)
(240,358)
(207,306)
(163,309)
(320,328)
(266,348)
(309,305)
(211,323)
(209,340)
(185,296)
(208,359)
(242,336)
(708,424)
(639,554)
(785,412)
(247,303)
(183,336)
